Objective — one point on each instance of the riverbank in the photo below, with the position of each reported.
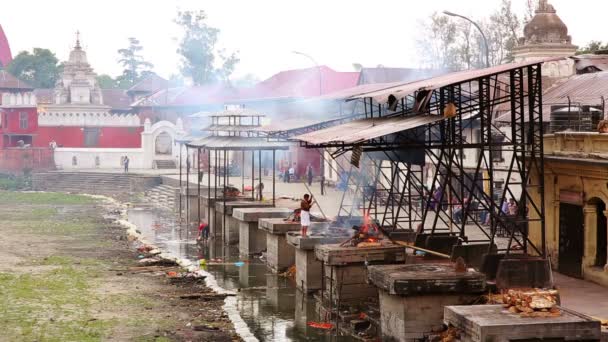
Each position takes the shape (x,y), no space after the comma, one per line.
(68,273)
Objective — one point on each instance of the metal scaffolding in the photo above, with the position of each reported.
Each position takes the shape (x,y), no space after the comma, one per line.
(417,140)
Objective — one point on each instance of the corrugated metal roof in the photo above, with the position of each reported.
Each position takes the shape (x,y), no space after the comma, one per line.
(8,81)
(403,90)
(231,128)
(362,130)
(238,143)
(295,124)
(586,89)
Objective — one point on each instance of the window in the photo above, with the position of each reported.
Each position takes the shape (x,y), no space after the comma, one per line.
(91,137)
(23,120)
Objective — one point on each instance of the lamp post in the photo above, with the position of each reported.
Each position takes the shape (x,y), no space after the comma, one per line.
(485,40)
(322,162)
(316,64)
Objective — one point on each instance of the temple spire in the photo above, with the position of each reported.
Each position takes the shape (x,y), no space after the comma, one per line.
(77,40)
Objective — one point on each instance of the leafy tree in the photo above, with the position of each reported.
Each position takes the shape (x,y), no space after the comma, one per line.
(106,82)
(438,42)
(202,61)
(40,68)
(593,47)
(135,67)
(455,44)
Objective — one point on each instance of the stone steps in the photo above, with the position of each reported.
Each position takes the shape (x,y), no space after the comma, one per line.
(165,164)
(93,182)
(163,195)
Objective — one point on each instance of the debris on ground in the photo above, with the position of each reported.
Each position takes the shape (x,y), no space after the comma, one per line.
(320,325)
(207,296)
(451,334)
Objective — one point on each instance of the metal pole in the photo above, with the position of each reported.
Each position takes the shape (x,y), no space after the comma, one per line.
(180,179)
(209,194)
(483,36)
(198,181)
(187,188)
(274,167)
(260,171)
(252,174)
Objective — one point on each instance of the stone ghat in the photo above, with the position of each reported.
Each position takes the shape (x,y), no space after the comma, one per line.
(478,323)
(419,279)
(336,255)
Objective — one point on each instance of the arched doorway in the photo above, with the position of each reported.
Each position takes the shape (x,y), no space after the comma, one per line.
(571,239)
(163,144)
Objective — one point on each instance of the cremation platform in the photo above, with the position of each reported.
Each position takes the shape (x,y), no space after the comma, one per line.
(345,272)
(231,229)
(215,222)
(251,239)
(494,323)
(279,255)
(308,269)
(412,297)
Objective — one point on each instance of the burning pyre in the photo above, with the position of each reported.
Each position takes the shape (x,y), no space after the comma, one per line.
(367,234)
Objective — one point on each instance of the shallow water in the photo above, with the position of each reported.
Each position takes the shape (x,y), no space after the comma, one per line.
(270,306)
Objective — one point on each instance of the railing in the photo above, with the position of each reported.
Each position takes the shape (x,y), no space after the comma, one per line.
(16,160)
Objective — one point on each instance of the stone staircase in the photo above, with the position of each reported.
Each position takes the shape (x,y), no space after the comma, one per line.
(165,164)
(164,196)
(100,183)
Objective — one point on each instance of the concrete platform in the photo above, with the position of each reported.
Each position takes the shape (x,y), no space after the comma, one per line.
(412,297)
(335,255)
(308,268)
(345,271)
(279,254)
(412,280)
(251,239)
(231,229)
(494,323)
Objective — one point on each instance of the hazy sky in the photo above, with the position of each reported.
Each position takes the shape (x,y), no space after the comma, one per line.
(335,32)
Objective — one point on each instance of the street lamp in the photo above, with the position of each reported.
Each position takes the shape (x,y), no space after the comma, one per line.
(322,162)
(316,64)
(485,40)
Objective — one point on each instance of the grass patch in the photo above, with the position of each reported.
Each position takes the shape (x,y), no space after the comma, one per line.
(50,306)
(52,198)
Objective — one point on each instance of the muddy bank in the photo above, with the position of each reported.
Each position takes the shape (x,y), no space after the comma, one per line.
(68,272)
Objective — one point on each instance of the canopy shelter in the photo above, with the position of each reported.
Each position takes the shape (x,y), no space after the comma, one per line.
(232,133)
(439,144)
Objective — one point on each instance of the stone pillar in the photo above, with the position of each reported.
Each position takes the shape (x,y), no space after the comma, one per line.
(606,266)
(590,235)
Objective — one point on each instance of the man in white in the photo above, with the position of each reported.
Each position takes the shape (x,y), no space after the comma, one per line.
(305,206)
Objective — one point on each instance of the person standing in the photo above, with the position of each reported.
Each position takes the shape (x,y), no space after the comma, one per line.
(305,206)
(126,164)
(309,174)
(292,173)
(286,176)
(203,231)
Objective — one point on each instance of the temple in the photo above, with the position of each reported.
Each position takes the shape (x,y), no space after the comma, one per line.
(5,50)
(546,35)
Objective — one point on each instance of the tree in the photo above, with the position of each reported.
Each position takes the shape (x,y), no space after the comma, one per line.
(135,67)
(201,60)
(438,45)
(106,82)
(455,44)
(40,68)
(593,47)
